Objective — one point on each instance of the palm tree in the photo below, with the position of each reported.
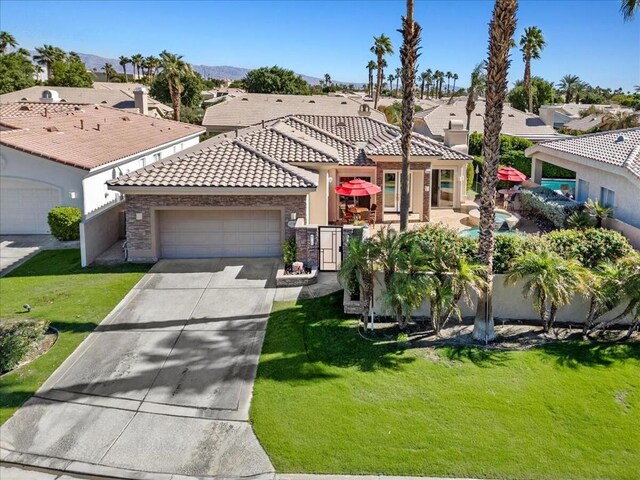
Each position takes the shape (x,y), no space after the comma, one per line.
(175,67)
(636,88)
(501,29)
(391,78)
(153,63)
(567,85)
(327,79)
(477,85)
(552,281)
(531,44)
(371,66)
(439,77)
(448,75)
(398,77)
(109,71)
(7,40)
(455,77)
(409,60)
(47,55)
(598,212)
(358,269)
(619,120)
(605,288)
(630,267)
(423,79)
(123,63)
(136,61)
(381,47)
(429,80)
(628,8)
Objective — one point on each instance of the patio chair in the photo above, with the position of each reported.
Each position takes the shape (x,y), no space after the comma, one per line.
(372,215)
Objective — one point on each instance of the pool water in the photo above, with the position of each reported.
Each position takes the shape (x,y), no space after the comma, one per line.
(474,232)
(502,217)
(554,184)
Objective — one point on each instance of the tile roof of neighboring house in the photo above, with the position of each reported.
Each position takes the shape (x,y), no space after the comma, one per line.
(620,148)
(514,121)
(574,109)
(584,124)
(263,156)
(53,131)
(223,164)
(116,95)
(251,108)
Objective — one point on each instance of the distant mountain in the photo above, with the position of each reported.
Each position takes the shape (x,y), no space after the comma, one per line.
(207,71)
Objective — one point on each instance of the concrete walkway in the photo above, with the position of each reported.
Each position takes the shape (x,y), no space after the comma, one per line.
(162,388)
(16,249)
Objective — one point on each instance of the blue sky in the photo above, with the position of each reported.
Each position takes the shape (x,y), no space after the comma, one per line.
(587,38)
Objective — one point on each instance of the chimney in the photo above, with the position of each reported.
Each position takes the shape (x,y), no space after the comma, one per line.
(141,100)
(364,110)
(547,114)
(456,136)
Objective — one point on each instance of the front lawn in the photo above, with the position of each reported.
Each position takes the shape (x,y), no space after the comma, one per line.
(328,401)
(73,299)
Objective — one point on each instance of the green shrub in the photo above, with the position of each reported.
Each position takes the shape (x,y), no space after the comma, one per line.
(435,237)
(289,252)
(549,204)
(509,247)
(470,174)
(64,223)
(518,160)
(507,143)
(590,247)
(17,339)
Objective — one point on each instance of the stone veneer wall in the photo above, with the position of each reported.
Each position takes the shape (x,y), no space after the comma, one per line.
(413,166)
(139,232)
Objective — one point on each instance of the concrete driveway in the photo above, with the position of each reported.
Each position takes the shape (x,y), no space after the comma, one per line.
(163,385)
(16,249)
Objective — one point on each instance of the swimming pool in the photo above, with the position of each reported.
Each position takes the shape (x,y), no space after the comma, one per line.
(474,232)
(556,183)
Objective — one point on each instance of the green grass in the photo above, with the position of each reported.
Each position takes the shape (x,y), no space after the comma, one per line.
(73,299)
(327,401)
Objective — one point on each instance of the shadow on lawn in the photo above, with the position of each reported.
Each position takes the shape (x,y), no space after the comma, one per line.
(479,356)
(303,340)
(586,354)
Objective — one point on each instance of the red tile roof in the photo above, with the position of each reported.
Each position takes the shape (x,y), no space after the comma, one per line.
(85,136)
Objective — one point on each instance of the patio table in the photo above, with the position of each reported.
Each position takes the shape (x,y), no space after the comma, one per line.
(357,211)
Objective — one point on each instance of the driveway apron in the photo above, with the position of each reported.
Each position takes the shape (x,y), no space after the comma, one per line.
(163,386)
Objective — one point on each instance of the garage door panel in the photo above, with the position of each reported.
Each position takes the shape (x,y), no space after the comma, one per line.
(220,233)
(24,206)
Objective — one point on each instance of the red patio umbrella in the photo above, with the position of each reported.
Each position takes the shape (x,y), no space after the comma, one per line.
(510,174)
(357,188)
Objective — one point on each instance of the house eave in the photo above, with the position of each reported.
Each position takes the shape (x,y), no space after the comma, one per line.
(146,190)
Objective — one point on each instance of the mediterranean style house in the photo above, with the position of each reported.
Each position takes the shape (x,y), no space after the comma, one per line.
(607,168)
(63,153)
(242,194)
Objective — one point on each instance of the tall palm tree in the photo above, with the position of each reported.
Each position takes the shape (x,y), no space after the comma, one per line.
(477,85)
(437,76)
(423,79)
(567,86)
(619,120)
(371,66)
(381,47)
(580,88)
(398,77)
(123,63)
(391,78)
(628,8)
(109,71)
(531,44)
(429,80)
(175,67)
(7,40)
(153,64)
(136,61)
(409,60)
(501,30)
(327,79)
(455,77)
(448,75)
(47,55)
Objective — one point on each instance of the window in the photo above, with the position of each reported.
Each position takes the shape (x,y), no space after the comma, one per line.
(607,197)
(583,190)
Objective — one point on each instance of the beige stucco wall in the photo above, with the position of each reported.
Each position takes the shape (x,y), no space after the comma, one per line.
(630,232)
(508,304)
(318,200)
(613,178)
(99,231)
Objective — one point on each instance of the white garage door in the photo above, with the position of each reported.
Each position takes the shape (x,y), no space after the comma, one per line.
(220,233)
(24,206)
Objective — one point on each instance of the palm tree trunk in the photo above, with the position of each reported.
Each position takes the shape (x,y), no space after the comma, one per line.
(553,311)
(527,82)
(422,89)
(408,57)
(501,31)
(378,82)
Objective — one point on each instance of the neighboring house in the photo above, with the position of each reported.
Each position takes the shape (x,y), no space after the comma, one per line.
(432,122)
(242,194)
(63,153)
(607,167)
(559,115)
(248,109)
(132,97)
(216,93)
(584,124)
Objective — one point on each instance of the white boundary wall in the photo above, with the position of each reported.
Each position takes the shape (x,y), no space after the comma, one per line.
(100,230)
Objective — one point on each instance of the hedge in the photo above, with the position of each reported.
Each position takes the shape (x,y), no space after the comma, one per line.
(590,247)
(64,223)
(551,205)
(519,161)
(17,339)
